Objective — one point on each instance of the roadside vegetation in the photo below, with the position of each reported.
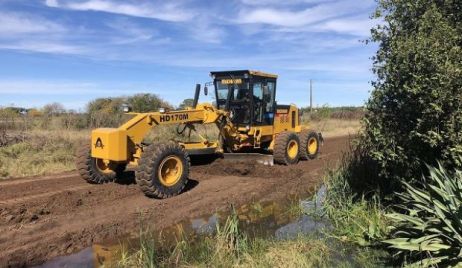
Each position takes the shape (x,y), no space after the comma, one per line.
(41,141)
(404,169)
(229,246)
(396,198)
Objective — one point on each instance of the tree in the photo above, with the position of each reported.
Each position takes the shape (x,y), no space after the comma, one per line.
(414,116)
(186,103)
(143,103)
(105,112)
(53,109)
(108,112)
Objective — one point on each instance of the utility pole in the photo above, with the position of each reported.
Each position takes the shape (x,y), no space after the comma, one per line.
(311,96)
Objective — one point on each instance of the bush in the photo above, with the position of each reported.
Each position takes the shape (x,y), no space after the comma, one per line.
(107,112)
(143,103)
(414,115)
(428,228)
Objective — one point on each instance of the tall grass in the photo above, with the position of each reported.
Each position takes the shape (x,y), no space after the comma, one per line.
(229,246)
(40,152)
(356,219)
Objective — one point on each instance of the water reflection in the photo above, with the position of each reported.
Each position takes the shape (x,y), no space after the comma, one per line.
(281,219)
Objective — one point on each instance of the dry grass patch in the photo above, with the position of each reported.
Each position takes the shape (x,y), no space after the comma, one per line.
(40,152)
(336,127)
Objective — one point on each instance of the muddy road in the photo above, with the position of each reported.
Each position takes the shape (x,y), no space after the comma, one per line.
(48,216)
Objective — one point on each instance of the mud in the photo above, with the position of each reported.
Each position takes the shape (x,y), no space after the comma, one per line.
(45,217)
(250,168)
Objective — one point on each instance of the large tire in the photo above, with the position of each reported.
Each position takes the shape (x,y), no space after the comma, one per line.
(309,145)
(163,170)
(286,148)
(95,170)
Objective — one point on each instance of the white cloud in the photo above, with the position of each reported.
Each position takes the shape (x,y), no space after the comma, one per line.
(52,3)
(354,26)
(286,17)
(203,30)
(161,10)
(322,16)
(53,47)
(129,32)
(282,3)
(19,23)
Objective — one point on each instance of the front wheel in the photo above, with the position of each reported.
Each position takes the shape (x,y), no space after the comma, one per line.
(163,170)
(95,170)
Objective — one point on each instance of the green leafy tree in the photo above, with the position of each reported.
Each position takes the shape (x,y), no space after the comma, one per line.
(186,103)
(105,112)
(414,115)
(145,102)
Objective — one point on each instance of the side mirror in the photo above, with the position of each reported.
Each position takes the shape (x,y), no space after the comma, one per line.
(206,90)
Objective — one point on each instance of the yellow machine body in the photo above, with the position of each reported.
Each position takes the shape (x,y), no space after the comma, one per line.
(247,117)
(124,144)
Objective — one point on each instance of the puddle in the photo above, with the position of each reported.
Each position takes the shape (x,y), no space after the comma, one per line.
(278,219)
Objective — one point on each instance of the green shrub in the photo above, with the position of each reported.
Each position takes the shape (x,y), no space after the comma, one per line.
(414,115)
(427,229)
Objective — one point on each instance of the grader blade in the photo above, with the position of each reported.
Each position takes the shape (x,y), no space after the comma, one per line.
(264,159)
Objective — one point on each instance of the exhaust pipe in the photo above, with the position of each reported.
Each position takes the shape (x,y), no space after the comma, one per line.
(196,95)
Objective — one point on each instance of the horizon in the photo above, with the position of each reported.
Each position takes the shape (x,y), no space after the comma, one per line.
(71,52)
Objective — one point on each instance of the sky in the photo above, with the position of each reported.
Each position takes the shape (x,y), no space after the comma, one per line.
(72,51)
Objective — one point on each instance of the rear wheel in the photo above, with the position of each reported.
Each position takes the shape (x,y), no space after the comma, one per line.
(95,170)
(286,148)
(309,141)
(163,170)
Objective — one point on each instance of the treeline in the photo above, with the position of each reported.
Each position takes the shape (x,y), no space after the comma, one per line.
(342,112)
(101,112)
(108,112)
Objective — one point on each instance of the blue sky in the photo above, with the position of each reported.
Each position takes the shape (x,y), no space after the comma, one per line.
(72,51)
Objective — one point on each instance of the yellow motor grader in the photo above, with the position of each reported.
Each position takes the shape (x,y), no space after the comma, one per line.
(246,115)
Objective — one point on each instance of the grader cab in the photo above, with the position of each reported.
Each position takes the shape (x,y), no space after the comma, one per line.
(245,113)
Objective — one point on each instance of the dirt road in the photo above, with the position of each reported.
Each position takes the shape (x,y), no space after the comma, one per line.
(43,217)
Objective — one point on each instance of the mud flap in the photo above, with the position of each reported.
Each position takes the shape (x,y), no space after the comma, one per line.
(264,159)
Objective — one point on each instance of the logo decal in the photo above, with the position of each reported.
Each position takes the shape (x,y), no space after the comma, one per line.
(99,143)
(231,81)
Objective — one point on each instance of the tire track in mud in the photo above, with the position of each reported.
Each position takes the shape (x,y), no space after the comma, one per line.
(43,217)
(17,181)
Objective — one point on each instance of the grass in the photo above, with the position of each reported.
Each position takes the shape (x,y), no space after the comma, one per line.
(336,127)
(359,226)
(356,220)
(39,152)
(231,247)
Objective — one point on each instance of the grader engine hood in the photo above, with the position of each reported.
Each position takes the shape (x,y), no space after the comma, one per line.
(109,144)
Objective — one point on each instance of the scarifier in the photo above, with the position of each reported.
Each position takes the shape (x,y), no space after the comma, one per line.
(250,124)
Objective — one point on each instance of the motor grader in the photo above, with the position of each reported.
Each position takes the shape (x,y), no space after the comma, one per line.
(248,120)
